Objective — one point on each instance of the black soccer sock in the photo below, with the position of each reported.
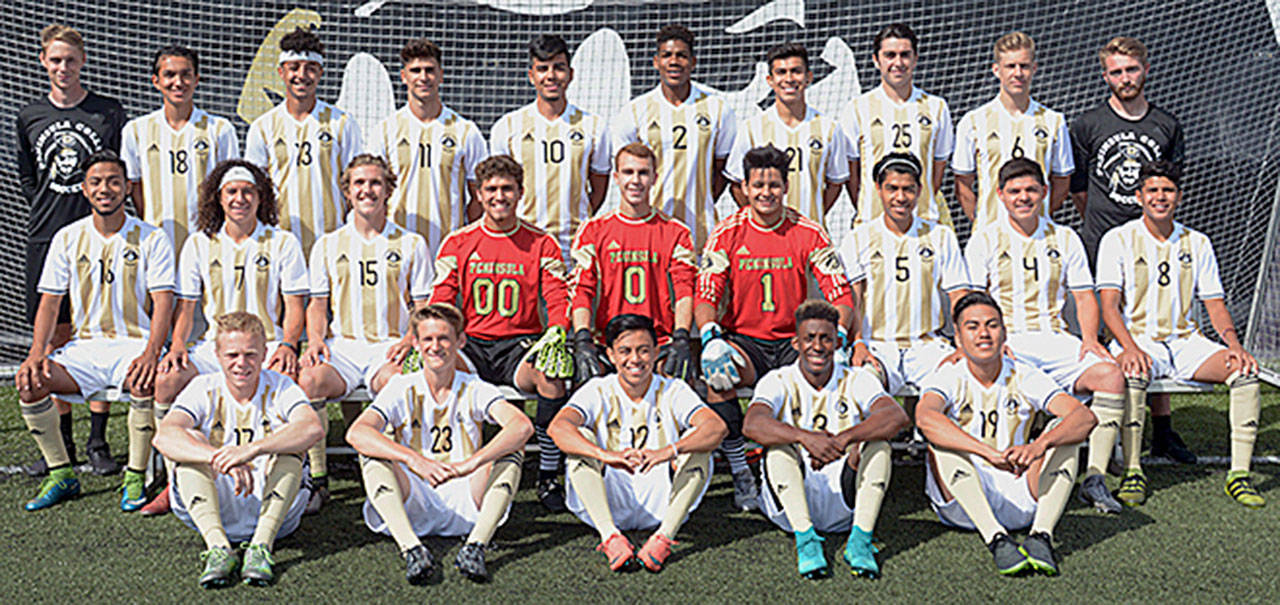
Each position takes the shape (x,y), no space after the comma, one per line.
(848,483)
(1161,428)
(97,429)
(734,445)
(64,427)
(550,458)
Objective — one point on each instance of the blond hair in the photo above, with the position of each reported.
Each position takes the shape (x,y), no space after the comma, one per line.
(56,32)
(1013,41)
(1123,45)
(240,321)
(367,159)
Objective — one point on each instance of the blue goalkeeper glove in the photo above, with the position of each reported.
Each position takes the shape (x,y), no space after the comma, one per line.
(720,360)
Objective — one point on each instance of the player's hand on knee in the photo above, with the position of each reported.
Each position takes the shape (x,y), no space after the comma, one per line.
(1135,363)
(32,373)
(955,356)
(586,360)
(397,352)
(679,361)
(142,372)
(317,353)
(1239,360)
(174,361)
(1095,347)
(551,354)
(243,477)
(860,355)
(285,361)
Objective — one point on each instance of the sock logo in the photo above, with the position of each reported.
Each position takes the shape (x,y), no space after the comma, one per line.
(1111,424)
(144,429)
(197,499)
(381,490)
(37,432)
(1251,424)
(1062,472)
(503,487)
(781,487)
(274,495)
(959,474)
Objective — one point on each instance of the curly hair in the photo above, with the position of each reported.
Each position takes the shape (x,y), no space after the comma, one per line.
(209,216)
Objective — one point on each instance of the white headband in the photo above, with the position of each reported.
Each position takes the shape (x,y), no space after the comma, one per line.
(293,55)
(237,174)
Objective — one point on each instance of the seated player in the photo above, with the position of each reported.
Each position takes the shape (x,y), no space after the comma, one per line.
(426,467)
(499,271)
(1029,264)
(118,274)
(836,421)
(639,448)
(366,274)
(236,438)
(985,472)
(1150,270)
(757,267)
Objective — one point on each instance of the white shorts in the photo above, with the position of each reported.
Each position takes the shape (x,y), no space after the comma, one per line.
(636,501)
(357,361)
(1009,497)
(910,365)
(445,510)
(1056,354)
(97,364)
(205,359)
(240,513)
(822,489)
(1176,357)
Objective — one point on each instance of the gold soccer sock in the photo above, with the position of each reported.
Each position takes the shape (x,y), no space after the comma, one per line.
(42,422)
(278,494)
(1110,410)
(142,427)
(784,469)
(1057,477)
(587,477)
(504,479)
(874,469)
(690,479)
(319,461)
(961,478)
(195,483)
(1135,413)
(384,493)
(1243,416)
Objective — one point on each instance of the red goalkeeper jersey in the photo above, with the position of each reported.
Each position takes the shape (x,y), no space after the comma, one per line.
(625,265)
(498,279)
(759,275)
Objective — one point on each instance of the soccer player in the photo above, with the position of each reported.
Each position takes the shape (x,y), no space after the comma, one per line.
(835,420)
(365,276)
(426,467)
(303,143)
(1150,270)
(985,471)
(563,149)
(1010,126)
(816,148)
(236,437)
(172,149)
(755,272)
(1029,264)
(432,150)
(500,270)
(690,131)
(639,448)
(897,117)
(56,133)
(118,273)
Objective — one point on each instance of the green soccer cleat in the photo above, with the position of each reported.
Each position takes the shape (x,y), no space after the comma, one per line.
(1133,489)
(1038,549)
(809,558)
(1241,488)
(133,491)
(860,554)
(219,568)
(1008,555)
(256,569)
(60,485)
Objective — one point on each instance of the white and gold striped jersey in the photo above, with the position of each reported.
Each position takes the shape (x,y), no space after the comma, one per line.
(1159,280)
(876,125)
(445,431)
(1029,276)
(171,164)
(687,139)
(840,404)
(433,162)
(305,160)
(371,283)
(250,276)
(1000,415)
(816,147)
(656,421)
(907,278)
(558,157)
(107,279)
(225,421)
(989,136)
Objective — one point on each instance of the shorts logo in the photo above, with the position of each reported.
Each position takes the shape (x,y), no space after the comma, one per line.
(702,121)
(262,262)
(448,143)
(925,121)
(815,144)
(1185,258)
(130,257)
(575,137)
(1041,133)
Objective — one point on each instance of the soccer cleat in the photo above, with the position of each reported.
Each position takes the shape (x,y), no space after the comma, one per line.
(1008,555)
(418,565)
(470,561)
(655,552)
(133,493)
(860,554)
(620,552)
(745,494)
(319,495)
(1093,491)
(60,485)
(219,568)
(810,561)
(1241,488)
(1038,549)
(551,494)
(101,461)
(256,569)
(1171,446)
(1133,488)
(158,505)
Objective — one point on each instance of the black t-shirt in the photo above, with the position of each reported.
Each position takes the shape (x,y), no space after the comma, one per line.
(1109,152)
(52,142)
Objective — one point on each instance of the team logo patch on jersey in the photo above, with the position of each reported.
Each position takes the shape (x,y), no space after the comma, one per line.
(324,137)
(448,143)
(926,253)
(925,121)
(1053,254)
(1011,404)
(1185,258)
(842,407)
(702,121)
(815,144)
(201,145)
(393,258)
(262,262)
(575,137)
(130,256)
(1041,133)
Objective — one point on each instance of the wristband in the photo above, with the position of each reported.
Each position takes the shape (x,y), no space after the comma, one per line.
(859,341)
(290,346)
(710,331)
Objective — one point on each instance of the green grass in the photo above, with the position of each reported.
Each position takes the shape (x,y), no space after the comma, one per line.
(1189,542)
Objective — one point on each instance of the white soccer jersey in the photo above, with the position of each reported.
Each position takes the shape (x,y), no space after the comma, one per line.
(817,148)
(371,283)
(687,140)
(840,404)
(654,422)
(107,279)
(305,160)
(558,157)
(908,277)
(989,136)
(249,276)
(433,162)
(1159,279)
(876,125)
(225,421)
(170,164)
(1000,415)
(446,431)
(1029,276)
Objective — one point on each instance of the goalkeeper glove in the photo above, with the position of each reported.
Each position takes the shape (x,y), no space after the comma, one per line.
(720,360)
(552,356)
(679,356)
(844,347)
(585,360)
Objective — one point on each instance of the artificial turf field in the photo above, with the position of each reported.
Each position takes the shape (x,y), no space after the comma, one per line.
(1189,543)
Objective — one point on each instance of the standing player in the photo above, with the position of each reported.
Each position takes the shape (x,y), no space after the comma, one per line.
(366,276)
(1029,264)
(1150,270)
(816,149)
(563,149)
(985,471)
(755,273)
(499,271)
(236,437)
(690,131)
(843,419)
(426,467)
(432,150)
(303,143)
(897,117)
(118,273)
(639,448)
(1010,126)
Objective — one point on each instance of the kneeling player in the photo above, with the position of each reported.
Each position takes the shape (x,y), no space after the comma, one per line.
(984,470)
(426,467)
(639,448)
(236,438)
(842,418)
(1150,270)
